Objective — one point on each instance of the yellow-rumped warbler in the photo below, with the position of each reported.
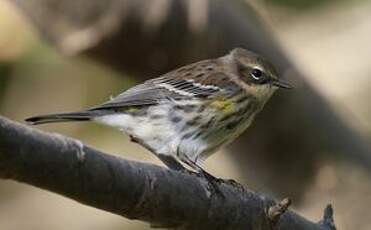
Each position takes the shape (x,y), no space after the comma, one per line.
(189,113)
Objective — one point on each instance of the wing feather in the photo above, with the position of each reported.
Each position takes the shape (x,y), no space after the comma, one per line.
(178,84)
(143,94)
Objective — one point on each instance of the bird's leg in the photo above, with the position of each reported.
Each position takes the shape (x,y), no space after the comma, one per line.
(168,160)
(134,139)
(171,162)
(213,181)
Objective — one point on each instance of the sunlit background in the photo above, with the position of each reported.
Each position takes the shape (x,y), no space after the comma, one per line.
(329,40)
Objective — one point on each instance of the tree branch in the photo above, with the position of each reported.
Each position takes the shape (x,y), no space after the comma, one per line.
(136,190)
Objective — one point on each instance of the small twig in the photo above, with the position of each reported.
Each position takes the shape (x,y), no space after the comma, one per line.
(328,218)
(277,210)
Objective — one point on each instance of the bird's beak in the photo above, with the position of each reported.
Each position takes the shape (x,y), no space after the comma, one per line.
(280,84)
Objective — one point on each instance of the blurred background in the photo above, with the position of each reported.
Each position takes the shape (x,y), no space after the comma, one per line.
(311,144)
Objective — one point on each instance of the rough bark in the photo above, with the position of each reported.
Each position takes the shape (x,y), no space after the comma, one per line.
(137,190)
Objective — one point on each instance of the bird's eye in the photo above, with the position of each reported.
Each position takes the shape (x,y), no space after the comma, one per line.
(257,74)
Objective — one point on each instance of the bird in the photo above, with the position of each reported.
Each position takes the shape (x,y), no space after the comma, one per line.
(187,114)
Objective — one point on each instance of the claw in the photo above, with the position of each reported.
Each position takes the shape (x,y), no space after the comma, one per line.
(234,184)
(213,183)
(190,172)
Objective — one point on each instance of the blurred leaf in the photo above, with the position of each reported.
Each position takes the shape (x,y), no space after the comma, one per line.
(300,4)
(5,70)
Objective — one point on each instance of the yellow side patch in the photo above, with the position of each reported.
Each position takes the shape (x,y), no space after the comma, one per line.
(224,105)
(131,110)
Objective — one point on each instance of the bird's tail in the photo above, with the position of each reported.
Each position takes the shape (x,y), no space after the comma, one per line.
(61,117)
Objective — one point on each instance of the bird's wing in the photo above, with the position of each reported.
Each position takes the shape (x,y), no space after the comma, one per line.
(143,94)
(175,85)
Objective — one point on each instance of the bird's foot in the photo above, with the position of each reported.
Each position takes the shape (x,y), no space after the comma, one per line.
(216,182)
(213,183)
(234,184)
(189,172)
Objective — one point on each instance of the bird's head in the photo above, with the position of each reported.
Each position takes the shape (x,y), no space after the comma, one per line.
(256,75)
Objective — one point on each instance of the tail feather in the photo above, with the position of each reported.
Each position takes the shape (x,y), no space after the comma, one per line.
(60,117)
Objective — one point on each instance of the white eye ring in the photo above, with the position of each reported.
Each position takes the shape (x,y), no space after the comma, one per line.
(256,73)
